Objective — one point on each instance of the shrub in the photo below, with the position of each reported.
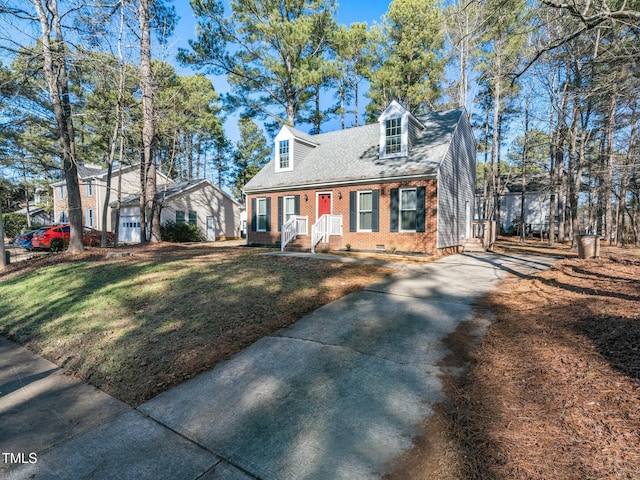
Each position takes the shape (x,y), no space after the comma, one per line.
(14,223)
(180,232)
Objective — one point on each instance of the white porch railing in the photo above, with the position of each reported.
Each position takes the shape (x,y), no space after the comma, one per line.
(326,226)
(296,225)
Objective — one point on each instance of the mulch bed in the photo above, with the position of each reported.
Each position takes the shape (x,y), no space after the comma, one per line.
(555,389)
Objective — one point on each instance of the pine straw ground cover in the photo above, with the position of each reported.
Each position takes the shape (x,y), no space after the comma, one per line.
(553,391)
(137,325)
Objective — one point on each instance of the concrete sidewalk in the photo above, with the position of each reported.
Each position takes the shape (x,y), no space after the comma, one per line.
(338,395)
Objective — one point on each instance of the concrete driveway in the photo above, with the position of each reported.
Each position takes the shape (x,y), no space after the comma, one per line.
(338,395)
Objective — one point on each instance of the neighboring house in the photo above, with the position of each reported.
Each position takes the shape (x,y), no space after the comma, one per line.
(405,183)
(93,188)
(39,216)
(216,214)
(536,205)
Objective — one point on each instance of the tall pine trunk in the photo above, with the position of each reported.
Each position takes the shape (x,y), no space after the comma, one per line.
(152,217)
(55,71)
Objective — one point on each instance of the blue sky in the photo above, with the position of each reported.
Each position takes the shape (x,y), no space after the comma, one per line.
(349,11)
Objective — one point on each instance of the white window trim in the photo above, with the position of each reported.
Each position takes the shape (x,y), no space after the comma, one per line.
(394,111)
(400,229)
(88,188)
(258,215)
(61,192)
(284,208)
(358,229)
(291,148)
(400,136)
(318,202)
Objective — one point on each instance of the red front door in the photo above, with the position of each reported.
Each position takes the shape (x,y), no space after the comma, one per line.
(324,204)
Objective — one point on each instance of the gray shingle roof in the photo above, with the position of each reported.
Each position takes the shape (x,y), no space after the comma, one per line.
(168,191)
(352,155)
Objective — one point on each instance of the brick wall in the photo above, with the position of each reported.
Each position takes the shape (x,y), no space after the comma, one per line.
(384,239)
(88,202)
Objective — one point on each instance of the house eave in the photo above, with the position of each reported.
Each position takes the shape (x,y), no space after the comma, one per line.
(340,183)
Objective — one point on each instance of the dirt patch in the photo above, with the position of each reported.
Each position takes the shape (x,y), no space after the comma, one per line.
(554,387)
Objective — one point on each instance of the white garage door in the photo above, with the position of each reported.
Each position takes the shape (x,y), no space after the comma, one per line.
(129,231)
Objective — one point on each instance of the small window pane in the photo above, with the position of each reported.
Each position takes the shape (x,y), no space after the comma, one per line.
(393,134)
(365,210)
(289,208)
(284,154)
(408,204)
(262,215)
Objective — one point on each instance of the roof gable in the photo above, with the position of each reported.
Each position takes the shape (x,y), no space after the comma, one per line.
(352,156)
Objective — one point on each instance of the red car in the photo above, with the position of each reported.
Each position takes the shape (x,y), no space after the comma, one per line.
(57,237)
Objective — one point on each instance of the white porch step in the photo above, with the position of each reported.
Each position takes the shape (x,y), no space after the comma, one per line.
(472,245)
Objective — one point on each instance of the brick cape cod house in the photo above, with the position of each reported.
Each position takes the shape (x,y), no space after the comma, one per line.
(405,183)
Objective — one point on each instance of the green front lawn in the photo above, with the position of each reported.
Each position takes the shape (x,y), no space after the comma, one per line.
(135,326)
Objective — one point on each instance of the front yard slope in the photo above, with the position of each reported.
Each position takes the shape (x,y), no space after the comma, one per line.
(135,326)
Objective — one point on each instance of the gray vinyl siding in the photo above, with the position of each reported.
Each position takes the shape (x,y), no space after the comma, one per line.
(456,181)
(301,150)
(414,132)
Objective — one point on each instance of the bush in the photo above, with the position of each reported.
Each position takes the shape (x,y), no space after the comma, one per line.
(180,232)
(14,223)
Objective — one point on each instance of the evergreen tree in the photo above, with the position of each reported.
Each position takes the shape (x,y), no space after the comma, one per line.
(413,65)
(251,154)
(269,50)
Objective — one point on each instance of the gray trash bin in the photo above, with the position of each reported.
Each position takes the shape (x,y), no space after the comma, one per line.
(588,246)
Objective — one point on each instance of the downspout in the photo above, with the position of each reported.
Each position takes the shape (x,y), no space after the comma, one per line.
(246,211)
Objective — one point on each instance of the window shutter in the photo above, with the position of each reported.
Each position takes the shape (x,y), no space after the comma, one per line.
(268,214)
(353,211)
(420,209)
(375,211)
(279,213)
(254,218)
(297,204)
(395,192)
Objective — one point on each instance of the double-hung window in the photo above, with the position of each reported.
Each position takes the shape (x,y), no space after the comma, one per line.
(193,218)
(261,214)
(88,188)
(61,192)
(365,211)
(289,208)
(393,135)
(180,216)
(408,206)
(283,154)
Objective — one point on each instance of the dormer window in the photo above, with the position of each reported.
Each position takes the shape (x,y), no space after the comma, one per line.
(395,125)
(393,136)
(283,155)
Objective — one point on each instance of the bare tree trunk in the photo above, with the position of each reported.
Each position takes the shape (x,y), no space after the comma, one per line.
(524,170)
(495,145)
(608,182)
(575,174)
(58,85)
(3,258)
(118,128)
(148,129)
